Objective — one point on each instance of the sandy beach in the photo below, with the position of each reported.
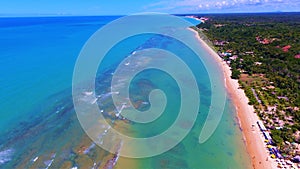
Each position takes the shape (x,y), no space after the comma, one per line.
(254,140)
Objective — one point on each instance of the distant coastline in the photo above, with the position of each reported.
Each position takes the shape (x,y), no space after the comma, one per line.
(33,15)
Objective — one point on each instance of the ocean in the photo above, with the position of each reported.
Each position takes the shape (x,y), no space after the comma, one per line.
(39,127)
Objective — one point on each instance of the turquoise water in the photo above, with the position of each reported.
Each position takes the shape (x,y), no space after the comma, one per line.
(37,118)
(37,59)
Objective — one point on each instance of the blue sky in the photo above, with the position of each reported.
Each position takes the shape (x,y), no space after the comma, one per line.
(113,7)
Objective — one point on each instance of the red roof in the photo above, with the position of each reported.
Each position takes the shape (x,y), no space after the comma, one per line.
(266,41)
(297,56)
(286,48)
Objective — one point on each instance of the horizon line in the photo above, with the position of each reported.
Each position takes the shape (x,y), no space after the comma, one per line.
(92,15)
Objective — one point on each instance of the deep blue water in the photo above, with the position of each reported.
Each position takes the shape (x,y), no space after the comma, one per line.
(37,58)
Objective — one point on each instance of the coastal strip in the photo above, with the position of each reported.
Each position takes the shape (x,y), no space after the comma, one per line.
(254,140)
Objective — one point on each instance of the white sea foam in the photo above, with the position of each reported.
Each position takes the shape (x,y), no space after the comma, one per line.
(106,95)
(121,109)
(48,163)
(94,101)
(89,98)
(89,149)
(5,156)
(88,93)
(35,159)
(118,154)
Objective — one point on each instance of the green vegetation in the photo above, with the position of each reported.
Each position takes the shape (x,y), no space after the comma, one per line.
(235,74)
(249,93)
(263,53)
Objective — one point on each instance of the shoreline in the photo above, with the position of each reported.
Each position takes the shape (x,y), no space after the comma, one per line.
(247,119)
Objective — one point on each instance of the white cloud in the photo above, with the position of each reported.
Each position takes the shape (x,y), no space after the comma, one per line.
(206,5)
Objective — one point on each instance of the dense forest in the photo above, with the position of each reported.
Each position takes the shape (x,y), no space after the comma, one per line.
(263,51)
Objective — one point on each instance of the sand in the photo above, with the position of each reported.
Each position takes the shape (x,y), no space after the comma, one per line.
(254,140)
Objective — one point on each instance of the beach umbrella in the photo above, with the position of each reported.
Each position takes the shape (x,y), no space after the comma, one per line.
(296,159)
